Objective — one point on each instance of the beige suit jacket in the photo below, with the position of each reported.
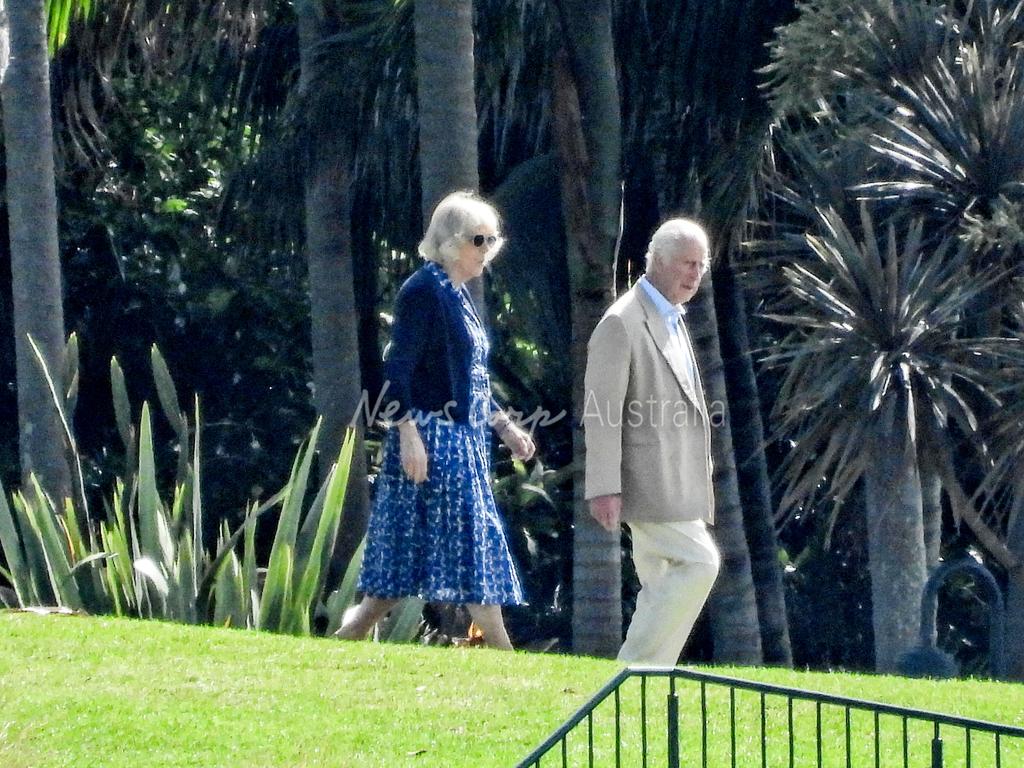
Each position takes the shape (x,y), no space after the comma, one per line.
(647,429)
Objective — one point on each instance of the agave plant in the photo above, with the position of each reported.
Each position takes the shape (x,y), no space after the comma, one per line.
(877,348)
(147,558)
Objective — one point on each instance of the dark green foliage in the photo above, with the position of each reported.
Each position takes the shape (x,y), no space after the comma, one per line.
(170,149)
(146,265)
(535,504)
(915,108)
(693,116)
(828,592)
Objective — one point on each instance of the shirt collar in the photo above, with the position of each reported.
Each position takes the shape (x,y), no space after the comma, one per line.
(668,311)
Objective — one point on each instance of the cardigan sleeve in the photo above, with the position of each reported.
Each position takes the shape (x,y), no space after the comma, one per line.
(415,310)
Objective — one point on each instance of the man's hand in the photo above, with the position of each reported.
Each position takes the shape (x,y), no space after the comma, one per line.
(607,510)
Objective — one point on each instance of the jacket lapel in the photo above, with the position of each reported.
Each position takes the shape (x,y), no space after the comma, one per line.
(658,332)
(656,327)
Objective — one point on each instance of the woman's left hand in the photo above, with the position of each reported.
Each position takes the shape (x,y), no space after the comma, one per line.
(518,441)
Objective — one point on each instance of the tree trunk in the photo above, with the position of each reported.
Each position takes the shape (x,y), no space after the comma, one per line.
(931,509)
(931,505)
(447,107)
(735,628)
(1015,590)
(35,256)
(366,285)
(587,130)
(896,551)
(597,564)
(747,431)
(336,371)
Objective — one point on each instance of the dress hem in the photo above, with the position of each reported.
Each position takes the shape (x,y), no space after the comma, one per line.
(445,599)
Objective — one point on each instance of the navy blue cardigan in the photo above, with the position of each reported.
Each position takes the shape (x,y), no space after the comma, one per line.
(428,363)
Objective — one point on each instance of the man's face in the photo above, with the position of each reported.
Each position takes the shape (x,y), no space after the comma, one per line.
(677,275)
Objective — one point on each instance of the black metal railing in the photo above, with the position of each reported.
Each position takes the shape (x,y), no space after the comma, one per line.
(675,717)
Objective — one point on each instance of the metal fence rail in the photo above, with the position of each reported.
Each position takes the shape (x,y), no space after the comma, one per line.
(671,717)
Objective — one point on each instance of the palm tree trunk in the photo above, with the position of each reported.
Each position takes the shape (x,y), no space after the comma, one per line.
(35,255)
(747,431)
(587,28)
(735,628)
(366,286)
(588,142)
(336,370)
(1015,590)
(896,551)
(931,504)
(447,106)
(931,508)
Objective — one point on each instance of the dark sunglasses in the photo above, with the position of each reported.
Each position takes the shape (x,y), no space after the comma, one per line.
(479,240)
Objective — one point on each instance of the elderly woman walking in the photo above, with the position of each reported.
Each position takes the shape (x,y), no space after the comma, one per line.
(435,531)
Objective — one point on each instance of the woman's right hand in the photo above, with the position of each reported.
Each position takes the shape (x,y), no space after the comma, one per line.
(414,454)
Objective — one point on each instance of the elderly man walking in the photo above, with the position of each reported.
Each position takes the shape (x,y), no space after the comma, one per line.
(648,442)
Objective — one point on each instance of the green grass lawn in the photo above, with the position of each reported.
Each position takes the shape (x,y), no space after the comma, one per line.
(108,692)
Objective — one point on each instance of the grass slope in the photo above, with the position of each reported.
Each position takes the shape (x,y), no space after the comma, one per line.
(109,692)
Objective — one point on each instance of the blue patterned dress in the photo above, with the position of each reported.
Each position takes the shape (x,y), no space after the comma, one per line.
(443,539)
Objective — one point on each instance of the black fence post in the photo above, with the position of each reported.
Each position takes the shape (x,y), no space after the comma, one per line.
(673,726)
(937,749)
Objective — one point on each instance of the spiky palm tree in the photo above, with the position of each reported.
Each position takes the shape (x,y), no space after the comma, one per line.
(918,107)
(876,351)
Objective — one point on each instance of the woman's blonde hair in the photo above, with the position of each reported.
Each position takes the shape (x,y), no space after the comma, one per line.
(455,220)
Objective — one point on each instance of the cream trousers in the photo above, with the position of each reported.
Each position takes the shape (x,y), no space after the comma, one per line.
(677,564)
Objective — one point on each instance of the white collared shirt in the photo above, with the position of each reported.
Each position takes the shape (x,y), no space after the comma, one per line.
(672,314)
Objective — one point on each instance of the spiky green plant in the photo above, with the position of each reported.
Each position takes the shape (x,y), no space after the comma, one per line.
(868,322)
(877,354)
(147,557)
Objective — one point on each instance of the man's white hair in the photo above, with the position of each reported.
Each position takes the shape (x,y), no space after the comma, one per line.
(672,237)
(454,219)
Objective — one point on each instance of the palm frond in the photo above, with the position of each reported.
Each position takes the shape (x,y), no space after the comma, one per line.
(877,39)
(1005,430)
(197,44)
(958,134)
(877,316)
